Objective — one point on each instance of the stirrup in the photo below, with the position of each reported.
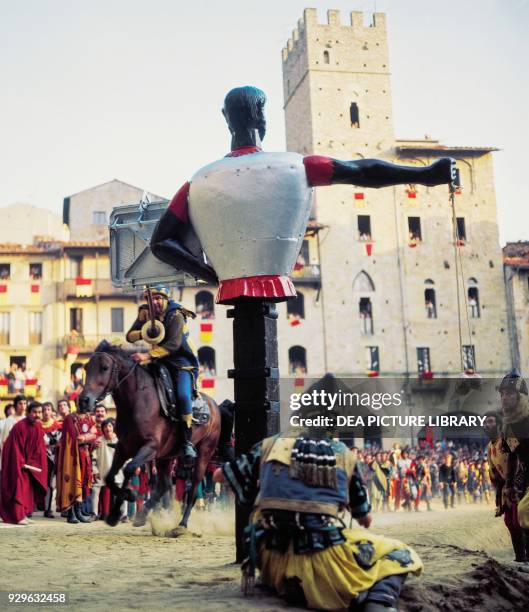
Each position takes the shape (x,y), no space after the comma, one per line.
(189,455)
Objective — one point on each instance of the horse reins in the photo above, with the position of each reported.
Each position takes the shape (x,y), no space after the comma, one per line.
(113,374)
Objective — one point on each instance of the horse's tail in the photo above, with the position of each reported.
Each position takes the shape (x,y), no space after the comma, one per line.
(225,447)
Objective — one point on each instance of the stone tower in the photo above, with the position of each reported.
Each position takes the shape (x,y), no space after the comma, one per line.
(327,70)
(387,256)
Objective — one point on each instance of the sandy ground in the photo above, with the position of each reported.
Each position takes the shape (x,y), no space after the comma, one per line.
(467,555)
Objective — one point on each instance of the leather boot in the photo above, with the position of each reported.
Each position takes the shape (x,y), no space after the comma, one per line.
(189,454)
(79,514)
(71,518)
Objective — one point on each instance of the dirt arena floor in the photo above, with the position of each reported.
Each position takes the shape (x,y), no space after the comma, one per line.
(467,556)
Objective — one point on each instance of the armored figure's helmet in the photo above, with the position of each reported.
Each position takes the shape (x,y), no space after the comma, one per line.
(513,381)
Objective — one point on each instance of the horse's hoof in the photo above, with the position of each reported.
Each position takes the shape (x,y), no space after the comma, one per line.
(140,520)
(179,531)
(113,519)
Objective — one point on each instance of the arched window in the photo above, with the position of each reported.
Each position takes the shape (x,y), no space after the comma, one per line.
(205,305)
(296,307)
(297,360)
(365,310)
(326,57)
(363,283)
(429,281)
(429,303)
(206,360)
(473,302)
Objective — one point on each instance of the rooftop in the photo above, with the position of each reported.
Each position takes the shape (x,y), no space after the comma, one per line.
(516,254)
(50,246)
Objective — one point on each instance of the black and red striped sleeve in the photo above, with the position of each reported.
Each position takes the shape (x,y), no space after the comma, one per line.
(375,173)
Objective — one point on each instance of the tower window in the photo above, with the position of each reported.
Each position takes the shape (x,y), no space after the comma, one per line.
(365,310)
(461,230)
(206,360)
(364,227)
(473,302)
(423,360)
(355,115)
(297,359)
(204,305)
(373,362)
(414,229)
(326,57)
(429,302)
(296,307)
(469,357)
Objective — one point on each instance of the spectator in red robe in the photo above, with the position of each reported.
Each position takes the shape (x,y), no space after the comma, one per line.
(24,478)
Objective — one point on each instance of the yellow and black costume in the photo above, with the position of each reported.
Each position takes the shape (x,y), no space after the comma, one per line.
(298,487)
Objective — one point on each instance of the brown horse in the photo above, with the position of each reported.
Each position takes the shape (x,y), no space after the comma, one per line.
(143,433)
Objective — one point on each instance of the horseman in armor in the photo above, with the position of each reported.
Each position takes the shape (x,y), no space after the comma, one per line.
(175,352)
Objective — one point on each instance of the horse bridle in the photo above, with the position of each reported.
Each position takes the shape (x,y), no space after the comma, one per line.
(114,374)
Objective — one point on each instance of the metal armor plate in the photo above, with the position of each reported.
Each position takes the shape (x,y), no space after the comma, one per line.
(250,213)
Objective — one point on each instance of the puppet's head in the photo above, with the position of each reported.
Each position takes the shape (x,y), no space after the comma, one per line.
(244,112)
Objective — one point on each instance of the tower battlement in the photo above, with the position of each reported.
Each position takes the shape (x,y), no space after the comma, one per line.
(309,24)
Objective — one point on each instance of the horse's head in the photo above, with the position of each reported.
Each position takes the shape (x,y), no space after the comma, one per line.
(102,373)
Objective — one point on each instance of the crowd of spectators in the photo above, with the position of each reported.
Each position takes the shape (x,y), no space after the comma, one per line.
(402,478)
(98,502)
(16,376)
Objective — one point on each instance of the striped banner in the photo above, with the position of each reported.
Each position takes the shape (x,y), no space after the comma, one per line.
(84,287)
(206,333)
(34,295)
(299,384)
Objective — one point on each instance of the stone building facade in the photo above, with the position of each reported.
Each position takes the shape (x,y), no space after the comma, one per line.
(412,288)
(87,212)
(389,262)
(56,304)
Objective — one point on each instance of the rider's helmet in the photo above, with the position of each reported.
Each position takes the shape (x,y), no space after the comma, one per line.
(513,381)
(157,290)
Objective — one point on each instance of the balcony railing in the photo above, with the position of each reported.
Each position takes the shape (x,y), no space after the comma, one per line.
(82,344)
(10,388)
(98,287)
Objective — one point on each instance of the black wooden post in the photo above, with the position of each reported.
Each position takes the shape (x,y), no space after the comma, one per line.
(256,384)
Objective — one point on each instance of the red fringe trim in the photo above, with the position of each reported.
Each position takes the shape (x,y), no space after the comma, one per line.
(274,287)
